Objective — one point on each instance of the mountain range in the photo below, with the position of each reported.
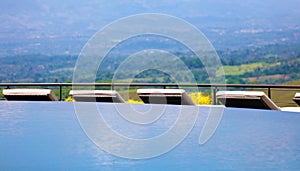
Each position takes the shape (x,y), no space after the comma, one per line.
(63,27)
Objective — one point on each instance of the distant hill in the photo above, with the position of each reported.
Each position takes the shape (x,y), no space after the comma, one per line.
(53,27)
(37,68)
(276,64)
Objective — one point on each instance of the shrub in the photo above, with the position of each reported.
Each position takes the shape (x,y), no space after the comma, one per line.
(69,99)
(131,101)
(199,98)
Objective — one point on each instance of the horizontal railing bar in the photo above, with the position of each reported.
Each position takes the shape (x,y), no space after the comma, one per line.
(154,84)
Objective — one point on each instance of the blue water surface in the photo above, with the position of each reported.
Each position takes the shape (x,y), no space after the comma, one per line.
(48,136)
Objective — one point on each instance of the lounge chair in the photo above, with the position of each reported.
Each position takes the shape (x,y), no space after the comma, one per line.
(110,96)
(165,96)
(29,95)
(246,99)
(297,98)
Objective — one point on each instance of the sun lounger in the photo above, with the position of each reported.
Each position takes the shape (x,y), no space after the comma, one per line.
(246,99)
(165,96)
(297,98)
(110,96)
(29,95)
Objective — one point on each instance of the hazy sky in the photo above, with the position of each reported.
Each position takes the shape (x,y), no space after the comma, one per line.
(75,21)
(106,11)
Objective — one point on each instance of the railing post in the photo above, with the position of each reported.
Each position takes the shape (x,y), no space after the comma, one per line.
(269,92)
(215,95)
(60,92)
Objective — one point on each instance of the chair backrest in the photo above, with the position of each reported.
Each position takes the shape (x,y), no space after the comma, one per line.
(297,98)
(246,99)
(110,96)
(29,95)
(165,96)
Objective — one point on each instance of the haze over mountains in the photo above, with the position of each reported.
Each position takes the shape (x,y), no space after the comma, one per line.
(257,41)
(62,27)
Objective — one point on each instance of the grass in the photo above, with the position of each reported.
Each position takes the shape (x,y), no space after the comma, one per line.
(244,68)
(265,78)
(1,95)
(296,82)
(284,98)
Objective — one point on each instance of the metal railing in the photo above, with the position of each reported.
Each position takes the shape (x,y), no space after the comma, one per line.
(214,87)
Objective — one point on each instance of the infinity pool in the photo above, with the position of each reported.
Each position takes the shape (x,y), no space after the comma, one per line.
(48,136)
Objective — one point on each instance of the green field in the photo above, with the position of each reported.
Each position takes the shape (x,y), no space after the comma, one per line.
(244,68)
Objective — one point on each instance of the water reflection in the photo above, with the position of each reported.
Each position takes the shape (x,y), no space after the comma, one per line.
(12,116)
(47,135)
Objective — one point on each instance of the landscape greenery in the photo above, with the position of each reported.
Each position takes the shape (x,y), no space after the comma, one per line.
(272,64)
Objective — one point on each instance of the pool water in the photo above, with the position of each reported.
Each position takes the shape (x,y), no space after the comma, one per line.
(48,136)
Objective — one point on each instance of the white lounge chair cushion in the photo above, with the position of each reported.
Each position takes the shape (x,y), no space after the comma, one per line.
(97,93)
(185,99)
(30,92)
(249,95)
